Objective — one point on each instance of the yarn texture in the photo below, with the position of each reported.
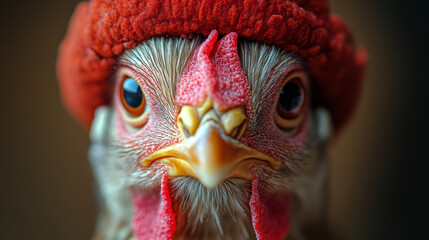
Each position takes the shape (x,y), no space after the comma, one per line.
(100,30)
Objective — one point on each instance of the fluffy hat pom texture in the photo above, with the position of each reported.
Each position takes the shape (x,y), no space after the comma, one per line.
(100,30)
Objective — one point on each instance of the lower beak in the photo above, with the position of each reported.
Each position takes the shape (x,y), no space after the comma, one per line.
(210,156)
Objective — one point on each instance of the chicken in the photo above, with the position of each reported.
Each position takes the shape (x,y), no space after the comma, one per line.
(209,135)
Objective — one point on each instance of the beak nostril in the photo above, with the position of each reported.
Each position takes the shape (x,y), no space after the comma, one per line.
(188,121)
(234,122)
(183,129)
(238,131)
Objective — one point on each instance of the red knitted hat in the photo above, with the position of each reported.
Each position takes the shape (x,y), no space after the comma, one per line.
(100,30)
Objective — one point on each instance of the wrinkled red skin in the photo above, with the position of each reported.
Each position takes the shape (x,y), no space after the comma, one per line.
(270,213)
(215,71)
(154,216)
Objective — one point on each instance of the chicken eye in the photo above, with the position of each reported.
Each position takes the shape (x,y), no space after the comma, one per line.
(290,99)
(291,102)
(132,97)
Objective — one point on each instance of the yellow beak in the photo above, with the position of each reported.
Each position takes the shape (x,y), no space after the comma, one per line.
(211,151)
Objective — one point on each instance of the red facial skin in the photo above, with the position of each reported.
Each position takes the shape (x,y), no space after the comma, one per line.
(214,70)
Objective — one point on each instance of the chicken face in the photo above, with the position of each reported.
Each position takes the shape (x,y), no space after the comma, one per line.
(208,139)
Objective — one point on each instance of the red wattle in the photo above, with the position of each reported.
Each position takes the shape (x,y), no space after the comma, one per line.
(154,216)
(270,213)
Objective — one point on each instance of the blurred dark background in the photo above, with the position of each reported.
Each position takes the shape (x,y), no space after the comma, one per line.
(379,164)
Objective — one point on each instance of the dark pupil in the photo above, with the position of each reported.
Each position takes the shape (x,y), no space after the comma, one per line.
(132,93)
(290,96)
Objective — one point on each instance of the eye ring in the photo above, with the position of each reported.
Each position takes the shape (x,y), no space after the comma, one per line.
(133,101)
(291,102)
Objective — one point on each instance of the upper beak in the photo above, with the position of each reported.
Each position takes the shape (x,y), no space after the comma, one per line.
(211,151)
